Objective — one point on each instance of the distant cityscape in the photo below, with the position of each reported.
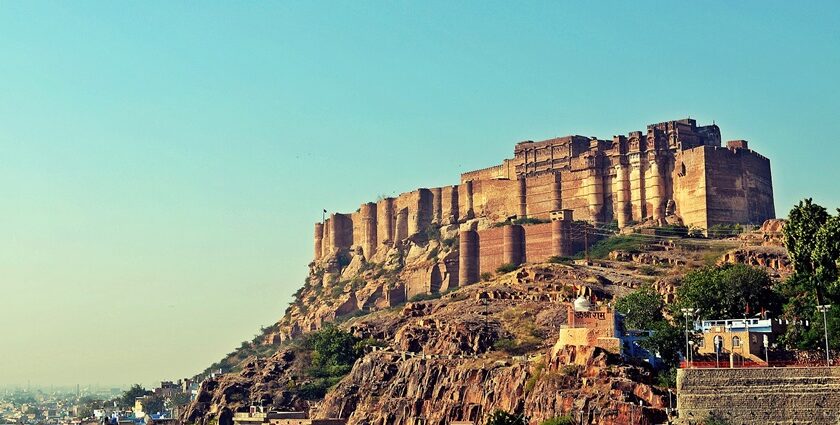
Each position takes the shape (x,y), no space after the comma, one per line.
(111,405)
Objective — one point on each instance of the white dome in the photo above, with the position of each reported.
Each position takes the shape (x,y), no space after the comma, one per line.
(582,304)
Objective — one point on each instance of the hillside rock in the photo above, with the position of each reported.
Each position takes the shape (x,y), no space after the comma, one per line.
(385,388)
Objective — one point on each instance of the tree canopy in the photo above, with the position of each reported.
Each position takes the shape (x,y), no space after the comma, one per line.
(726,292)
(812,238)
(128,397)
(333,351)
(641,308)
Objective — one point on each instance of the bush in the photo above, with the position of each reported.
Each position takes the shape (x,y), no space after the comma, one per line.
(720,231)
(450,242)
(532,380)
(715,419)
(570,370)
(500,417)
(506,268)
(630,243)
(525,221)
(560,420)
(317,388)
(529,220)
(486,276)
(560,260)
(505,344)
(425,297)
(432,233)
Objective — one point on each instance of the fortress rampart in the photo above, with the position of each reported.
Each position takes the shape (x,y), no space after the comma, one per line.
(674,169)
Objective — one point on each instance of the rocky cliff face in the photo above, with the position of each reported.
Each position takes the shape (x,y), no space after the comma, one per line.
(386,388)
(347,284)
(460,356)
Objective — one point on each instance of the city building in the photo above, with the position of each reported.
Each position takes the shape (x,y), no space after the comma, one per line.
(733,342)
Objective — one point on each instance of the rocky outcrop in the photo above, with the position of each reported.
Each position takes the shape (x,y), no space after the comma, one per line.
(264,382)
(384,388)
(772,258)
(348,284)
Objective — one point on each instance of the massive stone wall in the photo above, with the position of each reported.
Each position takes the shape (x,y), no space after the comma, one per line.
(674,169)
(738,185)
(485,250)
(760,396)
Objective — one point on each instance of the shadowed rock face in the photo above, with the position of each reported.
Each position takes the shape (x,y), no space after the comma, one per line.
(260,382)
(384,388)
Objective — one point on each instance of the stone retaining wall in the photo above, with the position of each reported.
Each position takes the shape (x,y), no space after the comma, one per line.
(759,396)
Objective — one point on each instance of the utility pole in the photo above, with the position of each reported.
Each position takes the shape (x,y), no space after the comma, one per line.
(485,302)
(824,309)
(670,406)
(586,243)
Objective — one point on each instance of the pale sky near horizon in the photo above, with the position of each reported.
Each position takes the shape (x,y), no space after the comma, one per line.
(162,163)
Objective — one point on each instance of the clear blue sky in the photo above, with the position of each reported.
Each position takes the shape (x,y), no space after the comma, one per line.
(162,163)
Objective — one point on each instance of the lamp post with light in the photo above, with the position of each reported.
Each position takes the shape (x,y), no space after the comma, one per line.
(824,309)
(688,312)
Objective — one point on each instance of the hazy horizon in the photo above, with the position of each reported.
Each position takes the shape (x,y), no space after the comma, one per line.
(163,163)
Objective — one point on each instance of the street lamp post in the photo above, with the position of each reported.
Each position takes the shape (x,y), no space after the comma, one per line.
(670,405)
(824,309)
(691,352)
(688,312)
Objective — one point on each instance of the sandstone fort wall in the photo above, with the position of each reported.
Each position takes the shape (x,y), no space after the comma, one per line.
(676,168)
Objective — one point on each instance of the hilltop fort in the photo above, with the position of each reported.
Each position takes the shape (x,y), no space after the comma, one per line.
(674,173)
(480,292)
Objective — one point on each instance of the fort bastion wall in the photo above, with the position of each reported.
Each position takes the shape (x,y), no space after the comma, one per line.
(675,168)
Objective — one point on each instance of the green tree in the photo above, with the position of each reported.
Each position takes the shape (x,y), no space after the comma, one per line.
(500,417)
(333,351)
(641,308)
(812,238)
(724,292)
(800,233)
(825,257)
(667,340)
(128,398)
(180,399)
(153,404)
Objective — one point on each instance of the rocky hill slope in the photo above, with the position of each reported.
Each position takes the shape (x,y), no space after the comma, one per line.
(444,354)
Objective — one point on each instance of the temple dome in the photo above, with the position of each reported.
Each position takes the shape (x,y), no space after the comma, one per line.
(582,304)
